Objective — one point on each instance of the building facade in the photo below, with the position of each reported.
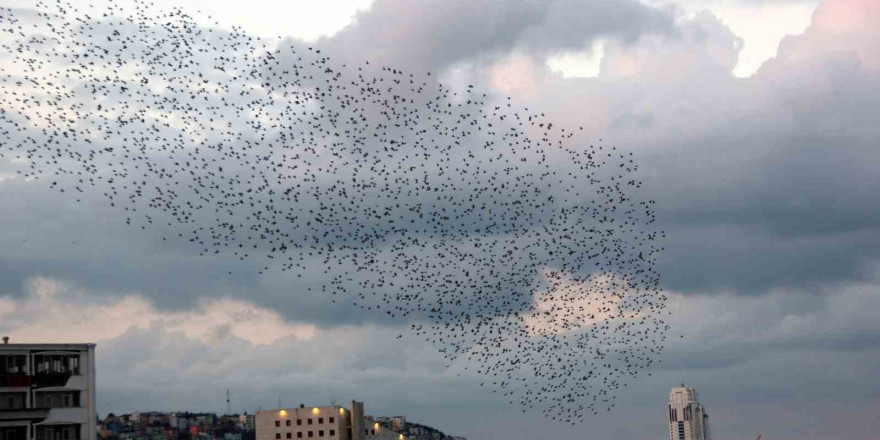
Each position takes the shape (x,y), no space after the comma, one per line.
(687,416)
(330,422)
(247,422)
(47,391)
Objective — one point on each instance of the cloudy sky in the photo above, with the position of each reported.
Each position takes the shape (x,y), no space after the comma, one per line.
(754,124)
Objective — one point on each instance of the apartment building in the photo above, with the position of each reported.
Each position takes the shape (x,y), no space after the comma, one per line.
(47,391)
(331,422)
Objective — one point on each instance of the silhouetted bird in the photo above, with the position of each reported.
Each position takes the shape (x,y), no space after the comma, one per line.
(523,252)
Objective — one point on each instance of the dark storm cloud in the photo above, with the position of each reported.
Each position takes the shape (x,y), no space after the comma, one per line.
(760,183)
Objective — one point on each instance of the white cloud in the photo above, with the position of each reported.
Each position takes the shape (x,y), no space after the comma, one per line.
(303,19)
(762,25)
(585,64)
(52,304)
(571,306)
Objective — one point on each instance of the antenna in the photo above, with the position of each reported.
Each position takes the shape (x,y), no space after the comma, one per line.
(228,411)
(279,403)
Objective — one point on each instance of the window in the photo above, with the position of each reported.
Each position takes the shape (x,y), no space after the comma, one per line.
(311,434)
(12,401)
(366,432)
(57,399)
(320,433)
(310,421)
(299,422)
(13,364)
(320,420)
(13,432)
(278,423)
(331,421)
(277,436)
(287,422)
(288,435)
(58,432)
(332,432)
(57,364)
(373,431)
(299,435)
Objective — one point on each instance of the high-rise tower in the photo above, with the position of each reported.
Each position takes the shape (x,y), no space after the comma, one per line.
(687,417)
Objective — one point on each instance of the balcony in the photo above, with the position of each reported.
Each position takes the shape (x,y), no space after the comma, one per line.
(16,380)
(28,414)
(43,380)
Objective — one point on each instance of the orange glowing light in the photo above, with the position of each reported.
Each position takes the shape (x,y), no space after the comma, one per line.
(282,413)
(315,410)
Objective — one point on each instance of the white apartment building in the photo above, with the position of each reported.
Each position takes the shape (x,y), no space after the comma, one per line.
(47,391)
(330,422)
(687,417)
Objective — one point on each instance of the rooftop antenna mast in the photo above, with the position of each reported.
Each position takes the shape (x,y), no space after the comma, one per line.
(227,402)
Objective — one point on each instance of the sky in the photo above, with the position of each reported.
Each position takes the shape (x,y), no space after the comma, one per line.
(753,125)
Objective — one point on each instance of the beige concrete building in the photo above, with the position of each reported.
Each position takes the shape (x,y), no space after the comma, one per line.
(47,391)
(687,417)
(330,422)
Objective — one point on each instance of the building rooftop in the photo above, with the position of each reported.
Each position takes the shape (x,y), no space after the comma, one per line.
(42,346)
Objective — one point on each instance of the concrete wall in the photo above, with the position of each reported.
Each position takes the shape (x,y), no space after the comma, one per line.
(357,420)
(320,417)
(344,421)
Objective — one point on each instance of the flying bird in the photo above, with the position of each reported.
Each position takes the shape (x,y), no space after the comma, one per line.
(521,252)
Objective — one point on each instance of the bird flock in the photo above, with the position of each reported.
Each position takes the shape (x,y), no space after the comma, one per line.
(517,248)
